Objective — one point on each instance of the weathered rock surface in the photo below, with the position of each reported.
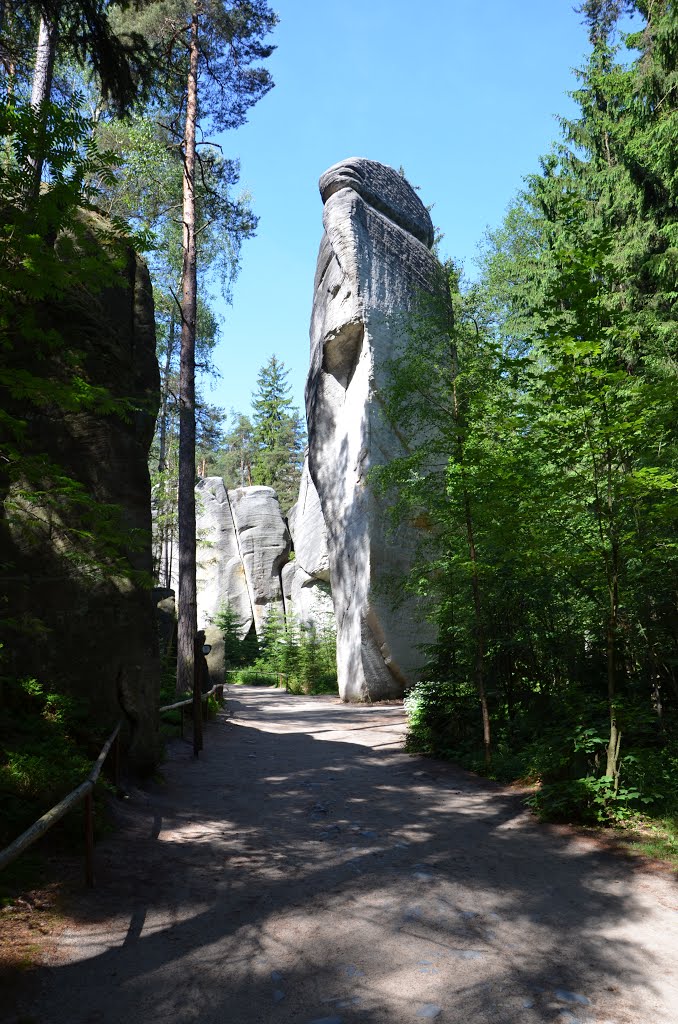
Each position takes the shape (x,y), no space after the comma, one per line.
(306,580)
(311,601)
(264,542)
(77,627)
(374,260)
(308,530)
(166,620)
(220,573)
(243,546)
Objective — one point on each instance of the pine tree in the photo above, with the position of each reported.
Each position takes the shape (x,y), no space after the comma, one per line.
(212,78)
(234,459)
(278,434)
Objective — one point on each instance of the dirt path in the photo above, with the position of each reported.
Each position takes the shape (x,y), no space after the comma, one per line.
(307,870)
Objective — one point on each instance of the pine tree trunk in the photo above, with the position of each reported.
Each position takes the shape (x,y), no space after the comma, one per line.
(41,92)
(164,569)
(187,618)
(162,453)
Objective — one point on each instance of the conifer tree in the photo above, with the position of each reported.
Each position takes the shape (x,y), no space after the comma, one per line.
(278,434)
(212,78)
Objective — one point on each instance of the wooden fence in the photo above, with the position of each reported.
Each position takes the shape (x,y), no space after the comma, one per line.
(84,792)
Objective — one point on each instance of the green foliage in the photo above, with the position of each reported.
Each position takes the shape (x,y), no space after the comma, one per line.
(537,409)
(301,658)
(122,59)
(547,744)
(278,434)
(254,675)
(43,755)
(238,652)
(234,459)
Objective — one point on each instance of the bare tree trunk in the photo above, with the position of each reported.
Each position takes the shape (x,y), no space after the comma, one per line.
(41,92)
(479,631)
(162,452)
(187,619)
(168,498)
(614,742)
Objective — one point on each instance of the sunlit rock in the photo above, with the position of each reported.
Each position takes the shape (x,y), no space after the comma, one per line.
(374,261)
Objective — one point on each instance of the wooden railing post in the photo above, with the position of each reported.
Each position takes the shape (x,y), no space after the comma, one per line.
(116,762)
(89,839)
(85,790)
(197,692)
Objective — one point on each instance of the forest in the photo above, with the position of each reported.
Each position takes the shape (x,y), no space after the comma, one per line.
(538,400)
(544,397)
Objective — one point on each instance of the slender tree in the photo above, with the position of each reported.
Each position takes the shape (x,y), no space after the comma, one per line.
(278,434)
(224,39)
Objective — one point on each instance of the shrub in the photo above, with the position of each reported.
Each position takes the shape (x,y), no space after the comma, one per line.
(44,753)
(302,657)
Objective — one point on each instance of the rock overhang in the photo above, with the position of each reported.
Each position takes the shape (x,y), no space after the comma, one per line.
(383,188)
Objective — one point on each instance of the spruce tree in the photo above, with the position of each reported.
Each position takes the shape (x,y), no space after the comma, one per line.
(278,434)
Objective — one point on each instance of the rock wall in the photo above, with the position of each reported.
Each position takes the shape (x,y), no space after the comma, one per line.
(374,260)
(70,619)
(220,573)
(244,547)
(243,544)
(306,580)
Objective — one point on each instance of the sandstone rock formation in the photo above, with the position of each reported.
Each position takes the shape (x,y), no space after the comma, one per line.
(76,622)
(264,542)
(243,545)
(220,571)
(306,580)
(374,260)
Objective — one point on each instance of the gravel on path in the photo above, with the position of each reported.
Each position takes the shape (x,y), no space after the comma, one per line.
(305,870)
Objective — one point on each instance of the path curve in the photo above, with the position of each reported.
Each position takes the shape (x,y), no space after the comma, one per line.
(307,871)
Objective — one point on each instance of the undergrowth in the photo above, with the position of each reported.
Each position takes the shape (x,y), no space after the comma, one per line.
(47,749)
(300,658)
(557,745)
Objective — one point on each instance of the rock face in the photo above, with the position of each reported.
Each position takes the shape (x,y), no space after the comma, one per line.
(374,260)
(77,625)
(306,580)
(264,542)
(220,572)
(243,544)
(309,533)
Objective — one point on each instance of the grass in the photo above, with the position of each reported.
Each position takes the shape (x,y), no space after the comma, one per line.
(655,838)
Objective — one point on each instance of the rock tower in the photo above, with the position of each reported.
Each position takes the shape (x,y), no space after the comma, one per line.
(374,261)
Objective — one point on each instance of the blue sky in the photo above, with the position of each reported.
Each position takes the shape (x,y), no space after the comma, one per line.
(463,96)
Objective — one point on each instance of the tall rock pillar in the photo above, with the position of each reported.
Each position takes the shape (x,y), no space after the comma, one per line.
(374,261)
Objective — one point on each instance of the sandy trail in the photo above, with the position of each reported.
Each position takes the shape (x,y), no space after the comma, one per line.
(306,870)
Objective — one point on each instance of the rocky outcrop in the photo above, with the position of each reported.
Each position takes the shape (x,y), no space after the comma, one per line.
(309,533)
(306,580)
(374,260)
(220,572)
(310,601)
(264,542)
(243,545)
(75,514)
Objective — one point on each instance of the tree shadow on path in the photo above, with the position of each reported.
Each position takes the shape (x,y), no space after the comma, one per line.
(293,878)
